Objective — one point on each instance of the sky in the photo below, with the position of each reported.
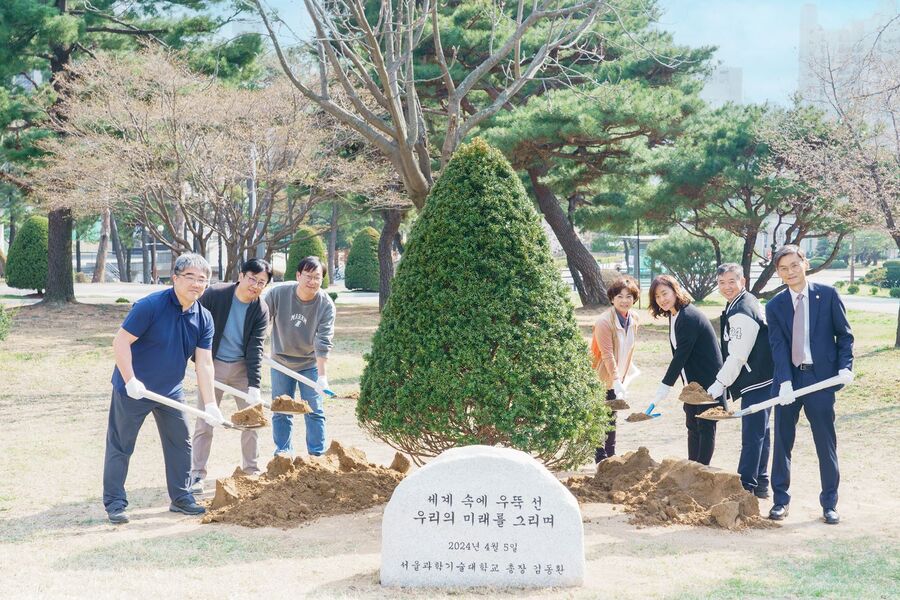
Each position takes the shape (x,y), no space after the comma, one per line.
(759,36)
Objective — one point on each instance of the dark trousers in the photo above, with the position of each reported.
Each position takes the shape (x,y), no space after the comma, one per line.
(753,465)
(819,410)
(609,446)
(701,433)
(126,415)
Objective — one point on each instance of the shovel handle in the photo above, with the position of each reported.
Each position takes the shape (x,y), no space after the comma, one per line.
(291,373)
(222,386)
(181,406)
(821,385)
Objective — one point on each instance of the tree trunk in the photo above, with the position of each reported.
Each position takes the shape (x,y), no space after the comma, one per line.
(145,255)
(77,252)
(577,255)
(897,338)
(12,228)
(60,285)
(392,219)
(332,241)
(154,272)
(102,249)
(124,275)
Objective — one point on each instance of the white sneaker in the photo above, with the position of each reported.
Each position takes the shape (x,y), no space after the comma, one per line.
(196,486)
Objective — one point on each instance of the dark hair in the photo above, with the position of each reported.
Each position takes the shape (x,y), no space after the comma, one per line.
(623,283)
(730,268)
(311,263)
(682,298)
(257,266)
(788,249)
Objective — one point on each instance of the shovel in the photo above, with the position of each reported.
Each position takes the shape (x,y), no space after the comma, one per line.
(824,384)
(190,410)
(305,380)
(242,395)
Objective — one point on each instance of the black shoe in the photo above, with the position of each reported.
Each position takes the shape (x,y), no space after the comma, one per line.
(778,512)
(831,516)
(188,507)
(762,493)
(118,516)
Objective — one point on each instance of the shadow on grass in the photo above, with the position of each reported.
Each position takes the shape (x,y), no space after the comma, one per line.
(861,568)
(74,518)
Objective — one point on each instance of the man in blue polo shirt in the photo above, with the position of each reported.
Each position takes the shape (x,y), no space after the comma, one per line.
(159,335)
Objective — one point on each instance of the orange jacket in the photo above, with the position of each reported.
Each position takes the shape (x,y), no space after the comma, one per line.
(605,347)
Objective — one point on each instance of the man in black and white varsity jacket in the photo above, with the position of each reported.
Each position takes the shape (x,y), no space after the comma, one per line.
(746,373)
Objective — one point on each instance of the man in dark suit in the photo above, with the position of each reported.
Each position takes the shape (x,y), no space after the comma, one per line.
(811,341)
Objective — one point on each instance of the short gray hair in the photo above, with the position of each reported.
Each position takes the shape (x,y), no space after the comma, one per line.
(730,268)
(186,261)
(788,249)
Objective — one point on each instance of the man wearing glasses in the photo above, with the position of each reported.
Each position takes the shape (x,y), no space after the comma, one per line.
(237,348)
(159,335)
(302,332)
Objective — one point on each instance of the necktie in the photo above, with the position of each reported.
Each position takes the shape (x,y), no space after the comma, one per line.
(798,332)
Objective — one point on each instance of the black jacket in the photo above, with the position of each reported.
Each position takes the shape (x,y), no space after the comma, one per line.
(217,300)
(698,353)
(739,316)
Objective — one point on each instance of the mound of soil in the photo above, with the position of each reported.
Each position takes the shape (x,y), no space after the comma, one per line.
(617,404)
(252,416)
(673,491)
(715,413)
(285,403)
(694,393)
(290,492)
(638,416)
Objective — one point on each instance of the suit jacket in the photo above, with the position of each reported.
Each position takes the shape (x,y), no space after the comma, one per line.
(217,299)
(698,353)
(830,338)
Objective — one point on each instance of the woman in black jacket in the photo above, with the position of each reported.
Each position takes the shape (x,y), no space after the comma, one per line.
(695,357)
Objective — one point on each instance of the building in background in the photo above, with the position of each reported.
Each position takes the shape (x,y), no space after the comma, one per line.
(724,85)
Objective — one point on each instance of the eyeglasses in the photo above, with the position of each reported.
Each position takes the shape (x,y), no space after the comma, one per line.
(311,277)
(254,282)
(194,279)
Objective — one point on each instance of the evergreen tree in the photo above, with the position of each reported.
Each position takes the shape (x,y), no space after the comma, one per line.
(26,267)
(362,272)
(478,343)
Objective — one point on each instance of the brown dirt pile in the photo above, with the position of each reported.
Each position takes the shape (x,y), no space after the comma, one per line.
(715,413)
(694,393)
(285,403)
(674,491)
(637,417)
(293,492)
(252,416)
(617,404)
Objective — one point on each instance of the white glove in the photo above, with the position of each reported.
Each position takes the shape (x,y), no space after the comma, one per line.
(253,396)
(786,393)
(135,388)
(716,389)
(847,374)
(322,384)
(619,389)
(661,392)
(213,415)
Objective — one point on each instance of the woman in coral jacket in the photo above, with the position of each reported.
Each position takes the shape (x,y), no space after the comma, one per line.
(612,349)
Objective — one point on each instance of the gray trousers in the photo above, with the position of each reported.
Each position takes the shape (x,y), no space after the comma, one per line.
(126,415)
(235,375)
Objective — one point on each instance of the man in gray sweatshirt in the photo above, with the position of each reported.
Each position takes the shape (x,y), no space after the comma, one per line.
(302,336)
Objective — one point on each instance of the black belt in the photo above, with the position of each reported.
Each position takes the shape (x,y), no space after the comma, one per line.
(805,367)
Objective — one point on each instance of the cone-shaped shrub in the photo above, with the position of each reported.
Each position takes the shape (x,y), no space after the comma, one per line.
(478,343)
(307,242)
(362,271)
(26,266)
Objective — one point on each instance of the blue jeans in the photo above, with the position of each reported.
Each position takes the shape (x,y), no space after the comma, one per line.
(282,425)
(753,465)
